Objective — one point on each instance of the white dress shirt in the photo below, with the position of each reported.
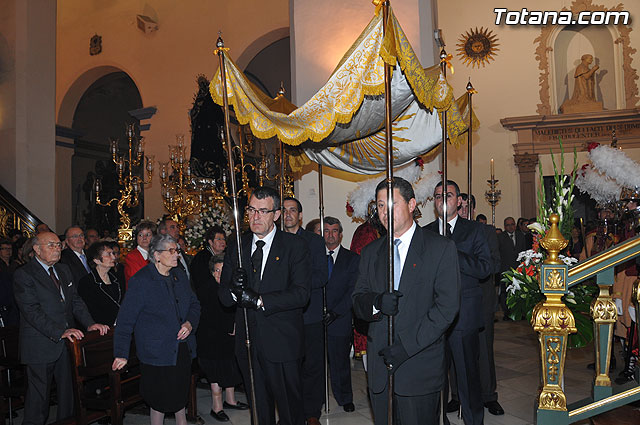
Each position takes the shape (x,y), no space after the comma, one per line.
(143,252)
(268,241)
(451,223)
(335,253)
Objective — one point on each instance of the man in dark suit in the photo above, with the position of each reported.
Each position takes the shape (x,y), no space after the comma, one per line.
(463,341)
(73,255)
(511,243)
(313,373)
(343,272)
(49,307)
(424,303)
(274,289)
(487,363)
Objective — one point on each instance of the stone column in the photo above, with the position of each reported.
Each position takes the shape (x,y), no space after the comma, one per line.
(527,163)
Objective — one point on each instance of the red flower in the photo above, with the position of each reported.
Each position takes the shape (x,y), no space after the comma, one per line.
(591,146)
(349,208)
(530,271)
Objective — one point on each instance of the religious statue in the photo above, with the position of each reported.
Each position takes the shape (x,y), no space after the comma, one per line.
(584,98)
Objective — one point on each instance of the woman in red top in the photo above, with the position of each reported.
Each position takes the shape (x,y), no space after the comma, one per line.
(139,257)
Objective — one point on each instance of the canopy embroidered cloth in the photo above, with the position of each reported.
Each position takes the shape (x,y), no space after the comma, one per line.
(342,125)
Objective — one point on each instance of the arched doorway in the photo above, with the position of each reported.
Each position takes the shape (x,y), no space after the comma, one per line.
(100,115)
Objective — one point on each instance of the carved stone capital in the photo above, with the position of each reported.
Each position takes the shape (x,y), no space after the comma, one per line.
(526,162)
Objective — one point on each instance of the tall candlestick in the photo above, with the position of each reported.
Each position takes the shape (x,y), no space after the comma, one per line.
(492,173)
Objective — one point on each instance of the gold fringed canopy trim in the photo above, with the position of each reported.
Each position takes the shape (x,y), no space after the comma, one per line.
(360,73)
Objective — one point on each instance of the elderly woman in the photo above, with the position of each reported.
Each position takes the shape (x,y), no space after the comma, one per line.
(216,344)
(101,289)
(162,311)
(139,257)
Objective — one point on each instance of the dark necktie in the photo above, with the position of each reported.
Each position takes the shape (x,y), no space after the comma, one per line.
(54,278)
(331,263)
(256,261)
(513,238)
(449,231)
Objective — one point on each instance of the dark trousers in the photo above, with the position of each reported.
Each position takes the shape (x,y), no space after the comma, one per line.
(313,374)
(340,368)
(463,349)
(486,360)
(413,410)
(39,377)
(276,384)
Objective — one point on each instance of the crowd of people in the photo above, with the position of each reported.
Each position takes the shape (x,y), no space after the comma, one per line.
(295,285)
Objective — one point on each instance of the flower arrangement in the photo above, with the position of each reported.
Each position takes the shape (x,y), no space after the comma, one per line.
(211,216)
(523,282)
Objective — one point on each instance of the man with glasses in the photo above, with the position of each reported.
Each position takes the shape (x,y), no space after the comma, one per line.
(313,373)
(50,310)
(73,255)
(474,259)
(273,285)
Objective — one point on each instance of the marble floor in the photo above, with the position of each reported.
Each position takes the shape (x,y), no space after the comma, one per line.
(517,370)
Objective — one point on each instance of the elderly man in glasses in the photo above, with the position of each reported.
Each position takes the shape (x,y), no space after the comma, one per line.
(50,310)
(273,285)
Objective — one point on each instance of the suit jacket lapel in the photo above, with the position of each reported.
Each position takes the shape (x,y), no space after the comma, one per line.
(44,277)
(381,264)
(275,252)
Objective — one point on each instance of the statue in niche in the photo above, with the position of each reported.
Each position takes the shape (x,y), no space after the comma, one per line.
(584,98)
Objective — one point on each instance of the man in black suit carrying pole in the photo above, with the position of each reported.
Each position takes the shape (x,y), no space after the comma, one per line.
(463,343)
(274,289)
(49,307)
(424,304)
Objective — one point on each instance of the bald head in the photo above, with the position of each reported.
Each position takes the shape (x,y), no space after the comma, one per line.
(47,248)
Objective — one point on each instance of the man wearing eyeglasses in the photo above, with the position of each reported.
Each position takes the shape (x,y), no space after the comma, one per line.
(73,255)
(313,373)
(172,228)
(50,310)
(273,285)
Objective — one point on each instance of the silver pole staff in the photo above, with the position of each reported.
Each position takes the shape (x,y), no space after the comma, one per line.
(282,186)
(236,216)
(443,122)
(470,92)
(389,176)
(324,296)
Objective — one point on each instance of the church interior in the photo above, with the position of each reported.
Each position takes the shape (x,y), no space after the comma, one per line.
(94,90)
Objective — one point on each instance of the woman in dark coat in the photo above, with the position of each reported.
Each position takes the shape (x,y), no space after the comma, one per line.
(216,344)
(162,311)
(101,290)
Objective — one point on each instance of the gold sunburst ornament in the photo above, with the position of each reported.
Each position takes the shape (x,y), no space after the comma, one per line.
(477,47)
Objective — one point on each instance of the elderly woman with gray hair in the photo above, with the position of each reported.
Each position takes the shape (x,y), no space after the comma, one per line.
(162,311)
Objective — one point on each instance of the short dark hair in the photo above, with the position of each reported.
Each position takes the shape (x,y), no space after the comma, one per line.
(162,226)
(520,220)
(263,192)
(144,225)
(5,242)
(333,221)
(94,252)
(290,198)
(403,186)
(508,218)
(73,226)
(449,183)
(212,231)
(312,224)
(465,197)
(481,217)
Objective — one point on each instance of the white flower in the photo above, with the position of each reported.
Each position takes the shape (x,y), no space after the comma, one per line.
(568,260)
(537,227)
(514,286)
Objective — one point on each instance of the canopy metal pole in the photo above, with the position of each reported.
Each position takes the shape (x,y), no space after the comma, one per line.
(282,186)
(324,296)
(236,217)
(389,175)
(470,92)
(443,122)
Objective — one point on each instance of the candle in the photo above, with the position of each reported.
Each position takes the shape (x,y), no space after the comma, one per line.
(492,169)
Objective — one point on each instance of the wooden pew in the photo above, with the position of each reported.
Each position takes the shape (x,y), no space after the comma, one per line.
(100,392)
(13,377)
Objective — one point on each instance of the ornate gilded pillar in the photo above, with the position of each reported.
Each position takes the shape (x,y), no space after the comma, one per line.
(604,314)
(527,163)
(554,322)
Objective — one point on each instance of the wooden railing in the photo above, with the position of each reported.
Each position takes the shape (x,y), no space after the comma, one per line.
(553,321)
(14,215)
